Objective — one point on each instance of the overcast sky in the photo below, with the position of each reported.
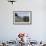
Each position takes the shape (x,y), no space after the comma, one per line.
(24,14)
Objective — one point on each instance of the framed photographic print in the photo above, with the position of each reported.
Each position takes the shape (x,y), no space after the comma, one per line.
(22,17)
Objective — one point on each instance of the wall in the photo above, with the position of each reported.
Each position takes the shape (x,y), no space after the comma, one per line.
(9,31)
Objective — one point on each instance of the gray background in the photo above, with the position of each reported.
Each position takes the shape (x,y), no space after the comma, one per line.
(37,30)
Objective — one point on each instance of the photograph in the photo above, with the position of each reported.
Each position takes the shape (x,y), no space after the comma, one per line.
(22,22)
(22,17)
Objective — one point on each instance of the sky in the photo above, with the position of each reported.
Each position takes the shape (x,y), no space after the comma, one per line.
(9,31)
(24,14)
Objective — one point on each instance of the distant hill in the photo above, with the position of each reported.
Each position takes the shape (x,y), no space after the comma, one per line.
(21,19)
